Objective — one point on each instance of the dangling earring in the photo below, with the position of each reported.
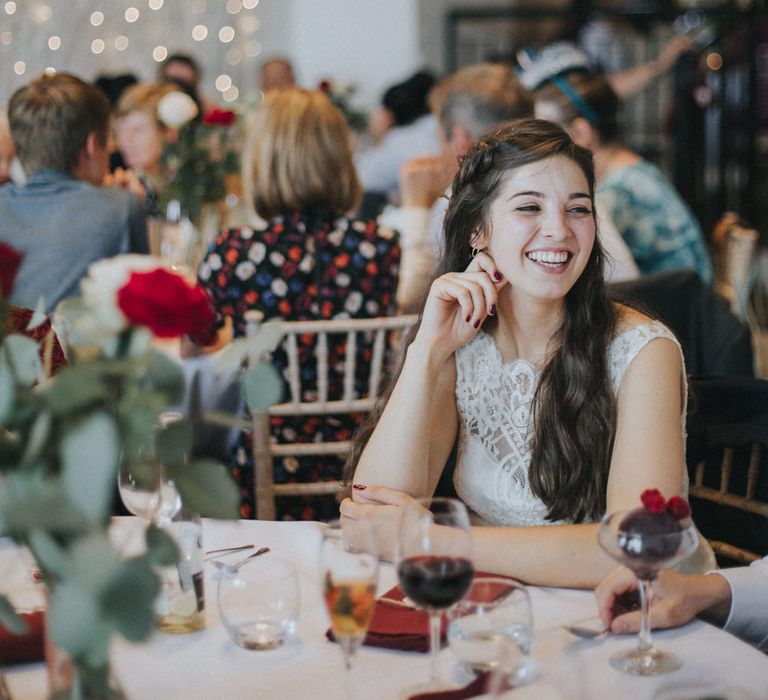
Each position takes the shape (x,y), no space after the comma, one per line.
(474,252)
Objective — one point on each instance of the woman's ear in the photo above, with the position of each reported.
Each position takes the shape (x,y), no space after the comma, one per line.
(479,240)
(583,133)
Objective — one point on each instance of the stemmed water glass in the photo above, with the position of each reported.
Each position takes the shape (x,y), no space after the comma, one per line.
(349,566)
(143,485)
(435,562)
(646,553)
(139,487)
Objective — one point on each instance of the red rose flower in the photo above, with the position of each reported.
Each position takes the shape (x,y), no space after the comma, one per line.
(10,259)
(165,303)
(653,501)
(678,507)
(219,117)
(324,85)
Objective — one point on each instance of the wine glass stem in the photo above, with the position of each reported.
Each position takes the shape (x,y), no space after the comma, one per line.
(646,592)
(435,618)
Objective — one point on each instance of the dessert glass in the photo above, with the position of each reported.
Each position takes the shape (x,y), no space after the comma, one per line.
(646,553)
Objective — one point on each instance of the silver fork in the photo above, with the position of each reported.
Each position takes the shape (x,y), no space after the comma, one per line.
(234,567)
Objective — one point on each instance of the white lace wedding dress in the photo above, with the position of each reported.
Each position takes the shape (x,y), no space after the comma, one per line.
(493,400)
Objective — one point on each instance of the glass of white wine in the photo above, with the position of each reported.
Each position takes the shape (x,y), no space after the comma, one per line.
(349,569)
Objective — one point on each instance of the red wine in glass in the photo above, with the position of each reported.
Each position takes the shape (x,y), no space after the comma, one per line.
(435,563)
(435,582)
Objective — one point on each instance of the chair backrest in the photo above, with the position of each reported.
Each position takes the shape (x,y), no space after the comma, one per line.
(734,248)
(378,335)
(727,454)
(714,340)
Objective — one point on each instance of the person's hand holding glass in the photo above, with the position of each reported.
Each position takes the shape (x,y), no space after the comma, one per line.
(647,540)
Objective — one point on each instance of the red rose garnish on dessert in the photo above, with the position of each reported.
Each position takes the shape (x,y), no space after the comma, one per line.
(653,501)
(678,507)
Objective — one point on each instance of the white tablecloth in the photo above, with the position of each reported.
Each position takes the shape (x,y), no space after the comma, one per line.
(207,665)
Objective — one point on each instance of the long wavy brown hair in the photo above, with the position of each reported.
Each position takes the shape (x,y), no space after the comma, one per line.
(574,407)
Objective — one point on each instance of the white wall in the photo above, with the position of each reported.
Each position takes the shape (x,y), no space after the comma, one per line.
(370,43)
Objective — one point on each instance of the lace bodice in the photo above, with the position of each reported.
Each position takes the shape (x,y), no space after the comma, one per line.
(494,401)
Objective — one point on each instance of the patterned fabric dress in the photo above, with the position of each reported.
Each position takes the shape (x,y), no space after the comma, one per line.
(303,267)
(658,227)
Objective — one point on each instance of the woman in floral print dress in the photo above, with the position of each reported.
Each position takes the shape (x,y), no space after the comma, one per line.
(312,261)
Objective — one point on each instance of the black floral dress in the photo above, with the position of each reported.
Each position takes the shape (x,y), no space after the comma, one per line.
(303,267)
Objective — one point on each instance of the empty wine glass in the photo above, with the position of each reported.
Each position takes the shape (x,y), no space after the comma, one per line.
(646,551)
(139,487)
(349,565)
(435,562)
(143,483)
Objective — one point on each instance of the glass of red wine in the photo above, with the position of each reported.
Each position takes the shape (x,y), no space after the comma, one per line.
(645,546)
(435,562)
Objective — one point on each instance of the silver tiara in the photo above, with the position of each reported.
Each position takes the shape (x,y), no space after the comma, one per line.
(536,67)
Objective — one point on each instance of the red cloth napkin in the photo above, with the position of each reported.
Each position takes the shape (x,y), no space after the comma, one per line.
(394,626)
(481,684)
(23,648)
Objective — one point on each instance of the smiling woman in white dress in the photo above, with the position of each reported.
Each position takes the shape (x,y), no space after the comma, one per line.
(564,404)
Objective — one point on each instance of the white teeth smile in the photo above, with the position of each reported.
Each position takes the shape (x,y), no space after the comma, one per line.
(548,257)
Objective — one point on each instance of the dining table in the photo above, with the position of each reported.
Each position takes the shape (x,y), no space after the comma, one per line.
(208,665)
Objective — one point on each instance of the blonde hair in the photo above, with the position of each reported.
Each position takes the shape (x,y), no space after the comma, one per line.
(143,97)
(298,156)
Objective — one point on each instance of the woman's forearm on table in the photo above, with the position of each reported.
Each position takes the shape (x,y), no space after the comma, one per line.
(567,556)
(402,446)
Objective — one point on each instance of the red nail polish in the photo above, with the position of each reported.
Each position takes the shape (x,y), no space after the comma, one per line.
(498,276)
(359,487)
(467,319)
(476,324)
(492,310)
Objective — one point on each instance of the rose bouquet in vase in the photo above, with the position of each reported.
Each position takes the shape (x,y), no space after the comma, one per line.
(63,439)
(197,162)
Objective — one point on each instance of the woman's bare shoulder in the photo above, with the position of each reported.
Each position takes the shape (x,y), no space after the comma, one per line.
(629,318)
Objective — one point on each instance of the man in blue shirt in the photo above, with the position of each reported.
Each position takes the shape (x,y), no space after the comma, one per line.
(63,219)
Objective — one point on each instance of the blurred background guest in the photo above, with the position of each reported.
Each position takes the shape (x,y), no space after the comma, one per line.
(140,135)
(113,86)
(276,73)
(7,151)
(63,219)
(184,70)
(466,105)
(401,128)
(312,261)
(659,228)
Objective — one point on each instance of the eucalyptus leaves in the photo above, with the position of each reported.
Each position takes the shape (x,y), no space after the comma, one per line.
(62,440)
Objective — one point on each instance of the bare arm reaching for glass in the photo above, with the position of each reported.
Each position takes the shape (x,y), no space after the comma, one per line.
(563,403)
(677,599)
